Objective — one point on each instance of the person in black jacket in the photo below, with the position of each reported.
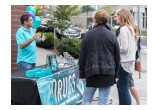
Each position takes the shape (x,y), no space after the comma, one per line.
(99,60)
(108,26)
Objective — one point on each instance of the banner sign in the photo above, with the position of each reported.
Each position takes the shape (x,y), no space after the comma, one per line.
(61,88)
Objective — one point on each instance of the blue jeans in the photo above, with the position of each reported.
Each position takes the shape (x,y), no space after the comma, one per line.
(122,85)
(89,92)
(25,66)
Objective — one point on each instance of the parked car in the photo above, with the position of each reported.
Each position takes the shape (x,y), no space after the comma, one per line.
(45,28)
(45,20)
(73,32)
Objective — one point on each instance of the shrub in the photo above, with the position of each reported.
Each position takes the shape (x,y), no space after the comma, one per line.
(49,42)
(70,45)
(144,32)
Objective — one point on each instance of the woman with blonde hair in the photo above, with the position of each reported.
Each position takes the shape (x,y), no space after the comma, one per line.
(132,87)
(127,40)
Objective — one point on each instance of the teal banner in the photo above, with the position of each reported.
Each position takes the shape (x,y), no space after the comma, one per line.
(61,88)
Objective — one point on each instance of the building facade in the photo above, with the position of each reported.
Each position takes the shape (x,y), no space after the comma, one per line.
(86,18)
(16,12)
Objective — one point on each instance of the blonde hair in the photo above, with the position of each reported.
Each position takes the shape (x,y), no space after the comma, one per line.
(101,16)
(116,12)
(127,19)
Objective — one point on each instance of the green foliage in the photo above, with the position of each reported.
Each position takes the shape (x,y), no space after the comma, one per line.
(108,8)
(144,32)
(86,8)
(49,42)
(62,16)
(38,10)
(64,12)
(69,45)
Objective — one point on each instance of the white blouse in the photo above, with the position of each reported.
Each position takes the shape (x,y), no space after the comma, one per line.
(127,44)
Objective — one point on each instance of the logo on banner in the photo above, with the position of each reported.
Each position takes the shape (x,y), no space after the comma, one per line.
(63,88)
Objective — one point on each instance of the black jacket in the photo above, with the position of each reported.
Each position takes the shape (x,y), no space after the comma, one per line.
(108,26)
(99,53)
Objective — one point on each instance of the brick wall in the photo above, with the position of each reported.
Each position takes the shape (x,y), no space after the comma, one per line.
(16,12)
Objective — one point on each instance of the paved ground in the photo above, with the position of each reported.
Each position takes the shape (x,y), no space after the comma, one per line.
(141,84)
(144,41)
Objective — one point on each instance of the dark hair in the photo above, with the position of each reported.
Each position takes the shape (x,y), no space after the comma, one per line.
(25,17)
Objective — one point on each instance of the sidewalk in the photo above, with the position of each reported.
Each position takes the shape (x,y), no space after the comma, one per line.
(141,84)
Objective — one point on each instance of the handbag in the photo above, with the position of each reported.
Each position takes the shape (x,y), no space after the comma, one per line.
(138,65)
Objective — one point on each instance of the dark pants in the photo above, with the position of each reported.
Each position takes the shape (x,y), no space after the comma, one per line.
(122,85)
(25,66)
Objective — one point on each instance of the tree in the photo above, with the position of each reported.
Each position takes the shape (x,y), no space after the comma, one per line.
(38,10)
(86,8)
(108,8)
(62,16)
